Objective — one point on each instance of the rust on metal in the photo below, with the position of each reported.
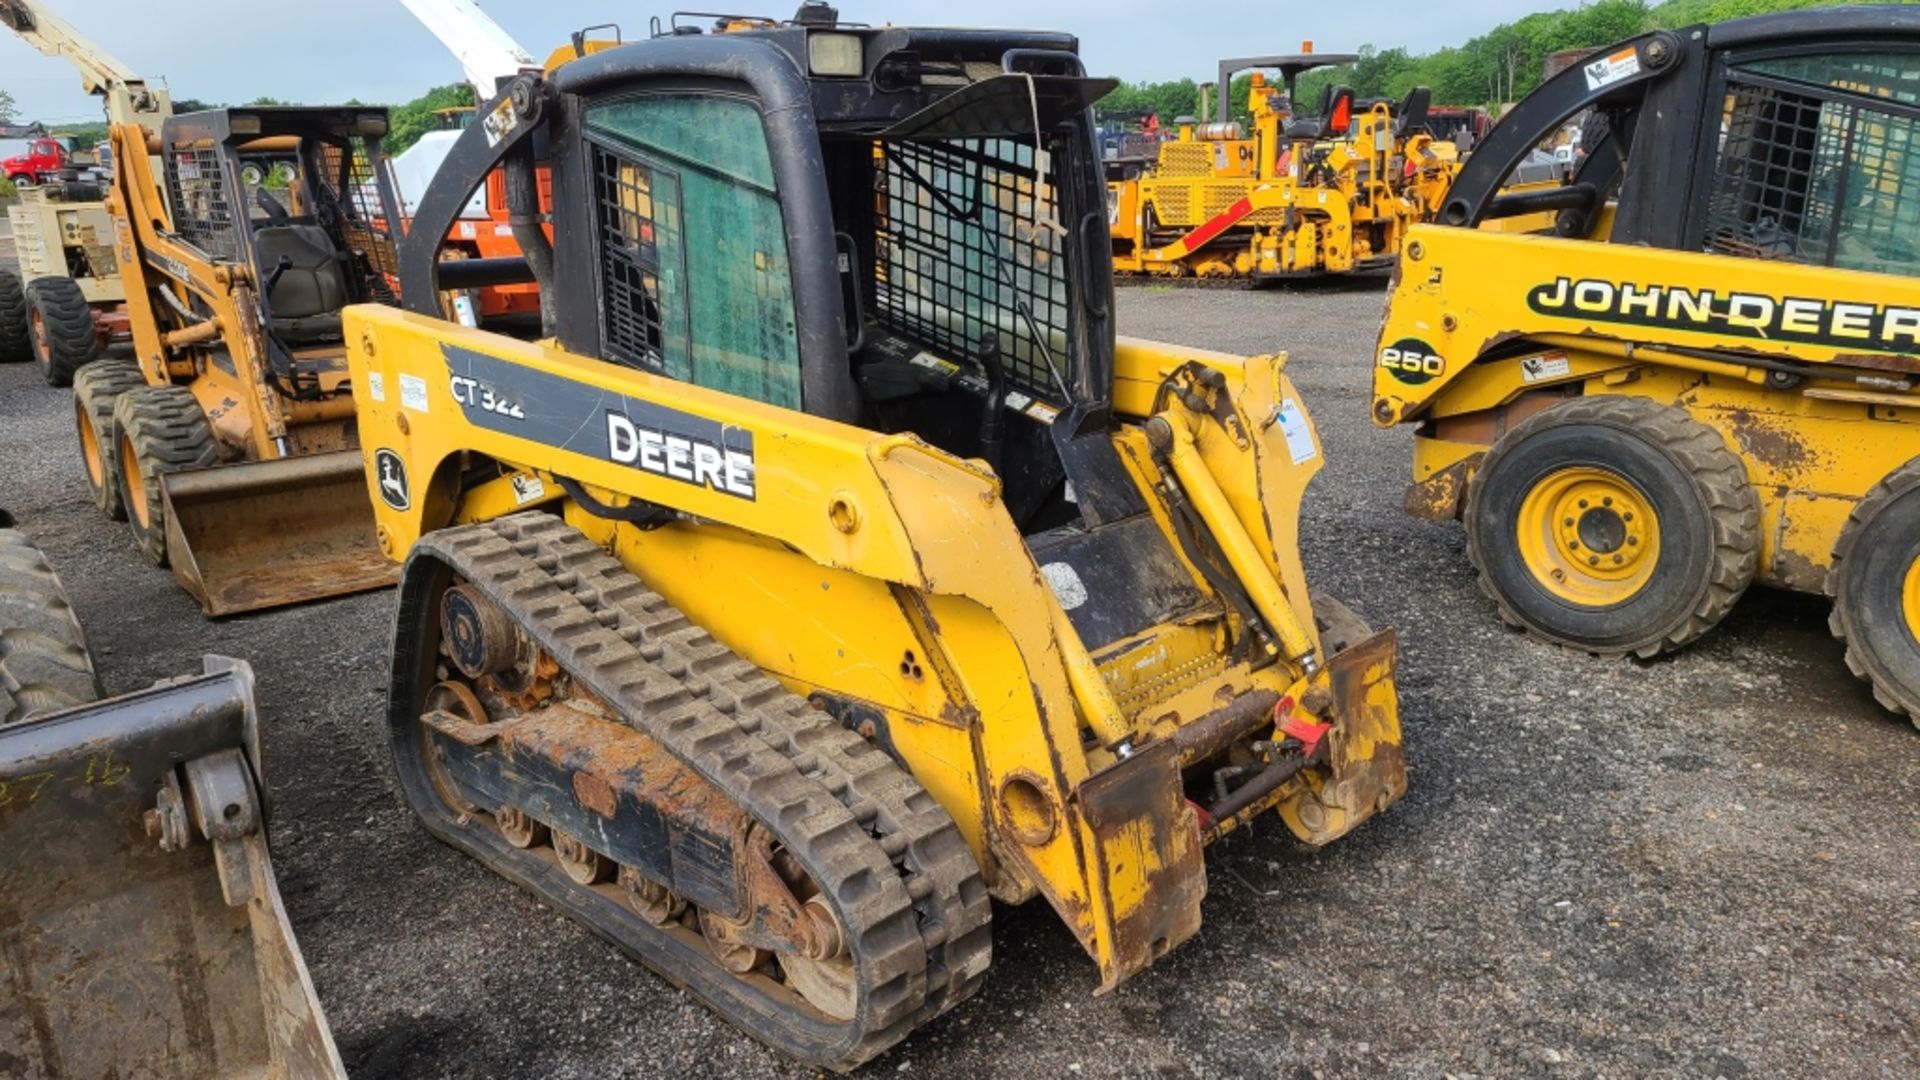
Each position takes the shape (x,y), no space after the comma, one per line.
(651,813)
(1771,440)
(1441,497)
(1144,828)
(264,534)
(1213,732)
(1366,766)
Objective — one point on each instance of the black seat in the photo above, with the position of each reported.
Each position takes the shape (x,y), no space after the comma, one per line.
(1411,118)
(1336,115)
(312,285)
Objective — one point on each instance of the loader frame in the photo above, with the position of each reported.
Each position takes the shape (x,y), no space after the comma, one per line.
(1059,741)
(1747,259)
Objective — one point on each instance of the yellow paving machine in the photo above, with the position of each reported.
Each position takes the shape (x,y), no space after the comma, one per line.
(1298,196)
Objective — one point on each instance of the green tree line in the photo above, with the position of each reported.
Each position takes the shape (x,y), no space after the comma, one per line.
(1497,68)
(406,122)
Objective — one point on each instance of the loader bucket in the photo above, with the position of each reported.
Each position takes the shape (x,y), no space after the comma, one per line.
(263,534)
(140,922)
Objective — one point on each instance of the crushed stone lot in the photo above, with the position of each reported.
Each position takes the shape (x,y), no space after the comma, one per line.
(1703,866)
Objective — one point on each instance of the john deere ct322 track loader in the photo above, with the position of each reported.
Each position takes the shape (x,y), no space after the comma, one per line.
(1709,375)
(832,568)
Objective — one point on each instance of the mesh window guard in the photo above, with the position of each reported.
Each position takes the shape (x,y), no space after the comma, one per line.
(1815,176)
(348,182)
(630,259)
(201,200)
(964,247)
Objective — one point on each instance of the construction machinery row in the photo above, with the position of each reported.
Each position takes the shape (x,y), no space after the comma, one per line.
(1299,195)
(824,567)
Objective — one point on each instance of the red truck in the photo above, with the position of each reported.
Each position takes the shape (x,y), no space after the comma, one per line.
(41,161)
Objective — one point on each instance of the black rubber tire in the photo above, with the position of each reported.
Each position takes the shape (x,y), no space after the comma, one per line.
(157,430)
(63,333)
(95,389)
(44,666)
(16,341)
(1708,514)
(1877,549)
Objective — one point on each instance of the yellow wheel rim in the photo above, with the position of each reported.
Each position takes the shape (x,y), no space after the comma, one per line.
(136,484)
(1910,599)
(90,449)
(1589,536)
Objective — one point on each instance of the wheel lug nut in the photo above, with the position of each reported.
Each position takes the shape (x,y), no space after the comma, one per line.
(1593,560)
(1631,540)
(1618,559)
(1628,516)
(1568,523)
(1608,501)
(1573,545)
(1584,504)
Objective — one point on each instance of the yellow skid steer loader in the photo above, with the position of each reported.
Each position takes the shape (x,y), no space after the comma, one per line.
(831,568)
(1706,374)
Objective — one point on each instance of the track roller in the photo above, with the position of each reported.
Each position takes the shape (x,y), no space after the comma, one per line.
(607,754)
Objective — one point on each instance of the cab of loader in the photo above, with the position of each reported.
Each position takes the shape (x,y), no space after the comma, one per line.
(1781,137)
(919,258)
(829,386)
(298,194)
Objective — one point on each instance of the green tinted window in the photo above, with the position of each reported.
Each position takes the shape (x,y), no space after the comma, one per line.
(1895,76)
(1819,163)
(693,244)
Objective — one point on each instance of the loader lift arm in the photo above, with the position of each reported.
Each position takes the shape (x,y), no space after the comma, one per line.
(129,100)
(488,55)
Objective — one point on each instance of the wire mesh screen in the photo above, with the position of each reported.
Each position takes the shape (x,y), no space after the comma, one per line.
(630,259)
(200,197)
(1809,175)
(347,180)
(968,244)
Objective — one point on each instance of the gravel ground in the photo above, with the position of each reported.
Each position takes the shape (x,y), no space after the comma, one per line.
(1706,866)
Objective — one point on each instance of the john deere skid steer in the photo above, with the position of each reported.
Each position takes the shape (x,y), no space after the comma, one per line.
(1707,374)
(140,920)
(832,569)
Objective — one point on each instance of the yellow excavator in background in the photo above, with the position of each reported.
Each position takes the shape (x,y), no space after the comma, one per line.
(831,568)
(1300,196)
(1705,373)
(228,442)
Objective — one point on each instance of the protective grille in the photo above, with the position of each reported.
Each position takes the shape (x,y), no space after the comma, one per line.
(630,259)
(201,199)
(1173,204)
(1186,159)
(347,180)
(969,243)
(1813,176)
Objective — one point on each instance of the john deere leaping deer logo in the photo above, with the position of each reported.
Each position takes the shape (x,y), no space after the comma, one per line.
(392,475)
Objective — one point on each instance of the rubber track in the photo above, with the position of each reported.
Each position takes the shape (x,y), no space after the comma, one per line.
(1733,509)
(1898,483)
(169,432)
(821,788)
(44,664)
(16,341)
(95,388)
(71,341)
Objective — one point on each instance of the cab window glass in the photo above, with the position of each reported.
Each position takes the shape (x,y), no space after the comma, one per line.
(694,269)
(1819,162)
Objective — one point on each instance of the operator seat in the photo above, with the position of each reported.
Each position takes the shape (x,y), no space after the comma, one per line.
(307,298)
(1411,117)
(1336,115)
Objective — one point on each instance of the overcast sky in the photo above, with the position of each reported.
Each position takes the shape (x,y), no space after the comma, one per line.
(326,51)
